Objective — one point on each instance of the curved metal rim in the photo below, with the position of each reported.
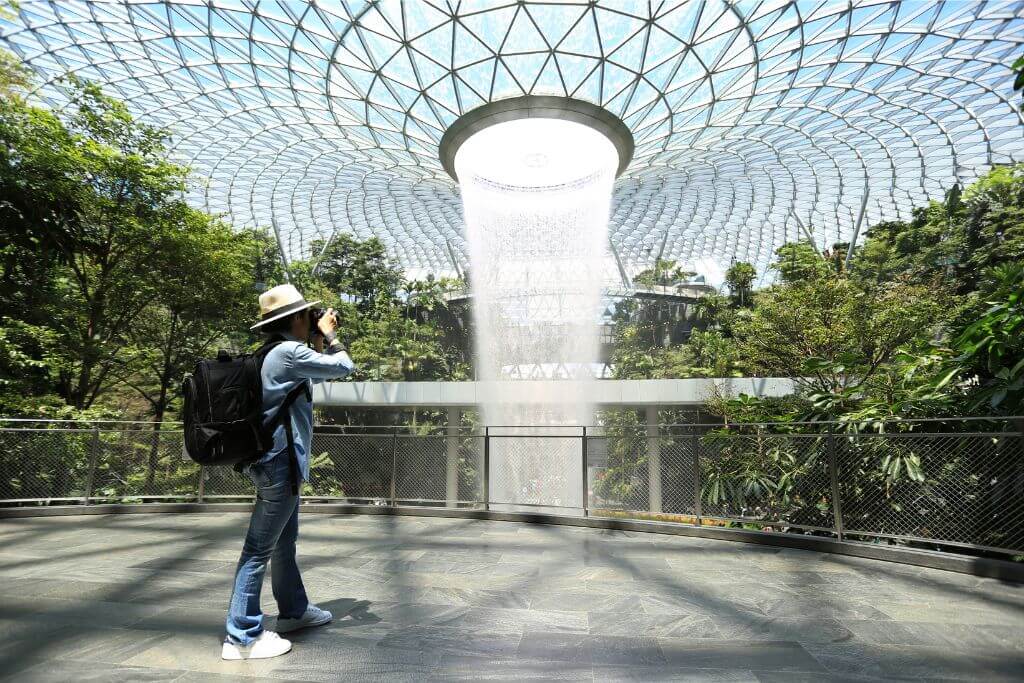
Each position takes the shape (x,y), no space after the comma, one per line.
(962,564)
(541,107)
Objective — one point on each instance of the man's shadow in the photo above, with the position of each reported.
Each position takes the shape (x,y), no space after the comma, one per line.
(348,613)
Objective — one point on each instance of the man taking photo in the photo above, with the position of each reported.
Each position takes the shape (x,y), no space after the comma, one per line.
(274,526)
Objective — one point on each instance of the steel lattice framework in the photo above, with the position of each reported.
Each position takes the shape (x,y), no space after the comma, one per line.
(755,122)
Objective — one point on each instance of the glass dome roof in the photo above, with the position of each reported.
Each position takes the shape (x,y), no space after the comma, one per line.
(755,122)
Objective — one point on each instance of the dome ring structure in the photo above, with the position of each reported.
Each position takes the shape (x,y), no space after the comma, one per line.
(536,106)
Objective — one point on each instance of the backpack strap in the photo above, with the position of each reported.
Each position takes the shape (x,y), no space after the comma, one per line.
(284,415)
(260,354)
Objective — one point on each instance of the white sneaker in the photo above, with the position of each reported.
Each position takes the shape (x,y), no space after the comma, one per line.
(267,644)
(314,616)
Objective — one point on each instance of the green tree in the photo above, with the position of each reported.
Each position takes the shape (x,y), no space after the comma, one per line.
(993,225)
(830,334)
(919,251)
(205,301)
(388,323)
(97,198)
(665,273)
(267,270)
(14,77)
(800,262)
(740,278)
(990,350)
(358,269)
(1018,68)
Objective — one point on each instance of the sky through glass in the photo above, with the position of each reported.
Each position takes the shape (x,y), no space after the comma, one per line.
(756,122)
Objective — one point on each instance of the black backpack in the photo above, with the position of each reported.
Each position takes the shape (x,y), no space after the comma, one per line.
(223,411)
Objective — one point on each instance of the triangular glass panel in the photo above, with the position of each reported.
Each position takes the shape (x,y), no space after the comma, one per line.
(375,21)
(420,17)
(468,50)
(479,76)
(469,99)
(550,81)
(556,21)
(489,26)
(504,85)
(590,89)
(662,47)
(526,68)
(436,44)
(381,49)
(630,54)
(583,38)
(429,71)
(523,36)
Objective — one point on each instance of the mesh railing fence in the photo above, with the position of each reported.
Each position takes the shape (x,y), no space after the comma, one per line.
(536,468)
(777,480)
(45,464)
(142,463)
(617,472)
(354,467)
(947,489)
(958,488)
(680,477)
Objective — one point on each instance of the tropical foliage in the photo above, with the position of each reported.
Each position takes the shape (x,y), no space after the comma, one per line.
(925,319)
(113,286)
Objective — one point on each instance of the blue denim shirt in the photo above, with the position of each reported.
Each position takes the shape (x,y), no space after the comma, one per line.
(287,364)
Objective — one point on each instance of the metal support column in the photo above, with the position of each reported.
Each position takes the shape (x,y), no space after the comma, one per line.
(487,468)
(833,473)
(394,463)
(856,228)
(807,233)
(698,506)
(653,459)
(451,482)
(585,499)
(618,262)
(280,248)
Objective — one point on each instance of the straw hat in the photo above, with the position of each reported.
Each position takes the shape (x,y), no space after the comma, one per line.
(277,302)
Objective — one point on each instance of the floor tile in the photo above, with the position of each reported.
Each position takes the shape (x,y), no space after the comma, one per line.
(145,598)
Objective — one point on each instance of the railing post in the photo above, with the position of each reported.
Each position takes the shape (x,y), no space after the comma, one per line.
(487,468)
(90,475)
(653,460)
(837,508)
(585,499)
(451,479)
(202,484)
(394,463)
(697,504)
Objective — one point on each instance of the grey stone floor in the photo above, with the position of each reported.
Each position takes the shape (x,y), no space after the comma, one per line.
(142,597)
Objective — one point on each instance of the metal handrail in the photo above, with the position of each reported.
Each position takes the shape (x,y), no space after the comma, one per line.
(956,509)
(915,420)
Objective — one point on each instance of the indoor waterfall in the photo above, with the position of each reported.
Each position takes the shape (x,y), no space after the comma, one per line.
(536,196)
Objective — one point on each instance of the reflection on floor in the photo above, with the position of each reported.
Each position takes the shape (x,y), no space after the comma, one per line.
(142,597)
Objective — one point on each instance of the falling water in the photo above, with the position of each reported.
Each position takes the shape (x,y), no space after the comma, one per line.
(536,197)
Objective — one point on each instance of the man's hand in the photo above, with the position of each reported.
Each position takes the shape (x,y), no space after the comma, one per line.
(328,323)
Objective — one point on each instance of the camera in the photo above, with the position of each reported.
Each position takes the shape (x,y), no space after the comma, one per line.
(314,317)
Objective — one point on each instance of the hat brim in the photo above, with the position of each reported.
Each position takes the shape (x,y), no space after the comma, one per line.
(261,323)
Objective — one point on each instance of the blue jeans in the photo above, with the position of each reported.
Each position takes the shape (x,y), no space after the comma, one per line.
(273,528)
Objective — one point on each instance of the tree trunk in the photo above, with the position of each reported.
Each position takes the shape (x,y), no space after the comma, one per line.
(160,406)
(154,448)
(79,394)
